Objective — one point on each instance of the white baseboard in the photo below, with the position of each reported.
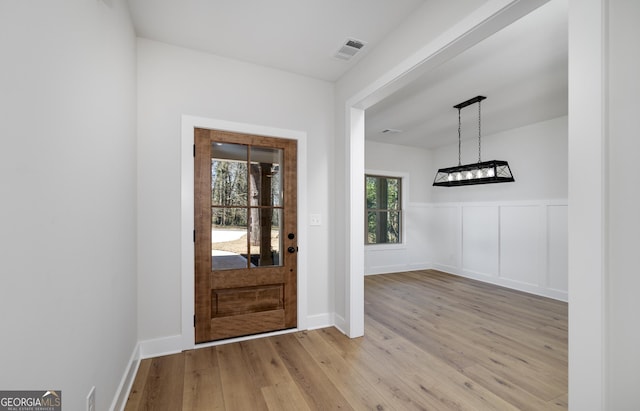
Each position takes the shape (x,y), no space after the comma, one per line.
(161,346)
(174,344)
(420,266)
(529,288)
(396,268)
(320,321)
(340,324)
(122,393)
(445,267)
(505,282)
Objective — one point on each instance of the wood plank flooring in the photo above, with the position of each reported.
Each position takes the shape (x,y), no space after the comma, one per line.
(432,341)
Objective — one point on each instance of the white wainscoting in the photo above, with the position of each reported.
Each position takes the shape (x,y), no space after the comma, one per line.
(557,240)
(480,240)
(445,240)
(520,245)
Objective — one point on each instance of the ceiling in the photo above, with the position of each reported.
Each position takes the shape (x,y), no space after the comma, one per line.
(522,70)
(299,36)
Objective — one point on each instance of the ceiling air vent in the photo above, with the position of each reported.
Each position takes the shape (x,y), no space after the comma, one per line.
(349,49)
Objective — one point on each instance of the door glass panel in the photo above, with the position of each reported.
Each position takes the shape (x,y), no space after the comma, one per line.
(266,179)
(228,174)
(247,200)
(229,238)
(266,237)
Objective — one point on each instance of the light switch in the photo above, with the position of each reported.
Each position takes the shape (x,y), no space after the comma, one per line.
(314,219)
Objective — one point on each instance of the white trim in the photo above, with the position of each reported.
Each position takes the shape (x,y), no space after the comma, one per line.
(547,242)
(507,283)
(172,345)
(187,267)
(160,346)
(588,90)
(541,286)
(488,19)
(124,388)
(245,338)
(317,321)
(544,269)
(354,290)
(396,268)
(504,282)
(372,248)
(446,268)
(340,323)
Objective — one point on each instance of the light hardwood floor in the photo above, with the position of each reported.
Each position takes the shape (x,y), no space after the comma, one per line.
(432,341)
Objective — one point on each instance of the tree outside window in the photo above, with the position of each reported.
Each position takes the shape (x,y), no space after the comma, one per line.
(384,209)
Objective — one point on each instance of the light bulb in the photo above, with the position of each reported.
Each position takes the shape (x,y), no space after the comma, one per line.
(490,172)
(458,176)
(450,177)
(469,175)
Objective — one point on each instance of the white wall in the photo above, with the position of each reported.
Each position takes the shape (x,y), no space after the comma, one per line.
(67,178)
(537,155)
(175,81)
(416,163)
(624,199)
(413,165)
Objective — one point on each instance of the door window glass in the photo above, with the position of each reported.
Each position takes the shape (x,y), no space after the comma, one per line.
(246,206)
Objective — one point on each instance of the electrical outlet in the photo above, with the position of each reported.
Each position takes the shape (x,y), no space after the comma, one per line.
(91,400)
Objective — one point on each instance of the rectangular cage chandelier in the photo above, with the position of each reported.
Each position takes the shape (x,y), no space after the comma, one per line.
(482,172)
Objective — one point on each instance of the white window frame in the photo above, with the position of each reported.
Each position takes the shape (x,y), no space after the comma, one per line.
(404,189)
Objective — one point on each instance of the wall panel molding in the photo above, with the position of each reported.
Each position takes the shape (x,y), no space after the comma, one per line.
(516,244)
(520,244)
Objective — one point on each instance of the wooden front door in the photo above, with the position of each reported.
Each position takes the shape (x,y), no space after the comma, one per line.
(245,234)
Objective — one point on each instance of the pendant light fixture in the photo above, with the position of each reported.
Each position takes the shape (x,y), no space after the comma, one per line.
(487,172)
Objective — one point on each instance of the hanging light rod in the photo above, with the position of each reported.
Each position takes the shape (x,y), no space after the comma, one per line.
(469,102)
(487,172)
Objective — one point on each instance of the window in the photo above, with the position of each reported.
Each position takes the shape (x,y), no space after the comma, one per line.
(384,209)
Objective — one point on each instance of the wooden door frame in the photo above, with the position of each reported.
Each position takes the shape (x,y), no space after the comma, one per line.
(187,222)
